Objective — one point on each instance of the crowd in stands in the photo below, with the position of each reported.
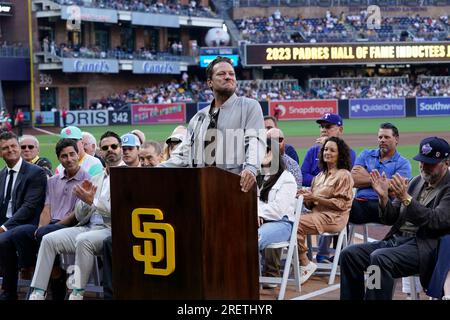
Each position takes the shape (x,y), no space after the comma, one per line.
(286,89)
(64,50)
(277,28)
(149,6)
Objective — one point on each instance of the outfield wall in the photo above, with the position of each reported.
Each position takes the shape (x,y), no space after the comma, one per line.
(285,110)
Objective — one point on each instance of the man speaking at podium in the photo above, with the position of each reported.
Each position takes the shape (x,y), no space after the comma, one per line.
(228,134)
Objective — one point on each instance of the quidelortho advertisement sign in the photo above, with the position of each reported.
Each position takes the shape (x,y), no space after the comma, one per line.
(377,108)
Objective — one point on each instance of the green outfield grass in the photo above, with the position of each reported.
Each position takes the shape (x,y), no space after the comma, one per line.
(160,132)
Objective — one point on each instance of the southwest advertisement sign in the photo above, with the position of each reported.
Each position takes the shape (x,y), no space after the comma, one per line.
(432,106)
(302,110)
(158,113)
(377,108)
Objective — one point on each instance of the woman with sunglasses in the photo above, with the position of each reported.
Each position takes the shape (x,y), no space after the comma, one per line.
(277,189)
(330,199)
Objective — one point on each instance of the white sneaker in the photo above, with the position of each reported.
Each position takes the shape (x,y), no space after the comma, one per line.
(447,297)
(74,296)
(307,271)
(37,295)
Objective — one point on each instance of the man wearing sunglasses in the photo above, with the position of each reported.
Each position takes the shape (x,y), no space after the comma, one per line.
(30,153)
(227,115)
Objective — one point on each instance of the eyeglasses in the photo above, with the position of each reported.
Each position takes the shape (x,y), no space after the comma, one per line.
(29,146)
(113,147)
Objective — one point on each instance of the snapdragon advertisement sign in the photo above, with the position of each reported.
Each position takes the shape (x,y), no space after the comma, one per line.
(377,108)
(432,106)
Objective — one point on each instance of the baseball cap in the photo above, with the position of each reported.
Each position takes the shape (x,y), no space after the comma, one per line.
(130,140)
(177,137)
(331,118)
(71,132)
(432,150)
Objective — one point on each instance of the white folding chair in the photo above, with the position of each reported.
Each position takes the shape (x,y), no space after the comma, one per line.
(291,256)
(341,244)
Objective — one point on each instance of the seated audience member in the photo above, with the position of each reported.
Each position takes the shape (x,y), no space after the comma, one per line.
(57,214)
(385,159)
(85,240)
(269,123)
(22,197)
(331,125)
(150,154)
(30,153)
(439,286)
(329,199)
(89,163)
(178,135)
(90,145)
(273,256)
(419,216)
(130,150)
(276,205)
(138,133)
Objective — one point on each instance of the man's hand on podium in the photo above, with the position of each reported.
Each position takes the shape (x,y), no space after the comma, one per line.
(248,179)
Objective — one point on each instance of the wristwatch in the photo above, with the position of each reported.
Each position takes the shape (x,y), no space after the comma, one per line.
(406,202)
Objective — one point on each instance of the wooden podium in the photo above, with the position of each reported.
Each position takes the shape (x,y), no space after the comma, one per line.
(187,233)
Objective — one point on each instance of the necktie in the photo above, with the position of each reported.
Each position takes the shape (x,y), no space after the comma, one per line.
(4,205)
(9,187)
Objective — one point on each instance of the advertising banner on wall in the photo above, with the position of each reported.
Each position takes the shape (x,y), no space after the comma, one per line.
(377,108)
(90,65)
(89,14)
(157,20)
(302,110)
(158,67)
(158,113)
(84,118)
(432,106)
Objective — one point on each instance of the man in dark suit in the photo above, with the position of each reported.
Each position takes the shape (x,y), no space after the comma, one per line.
(22,196)
(420,215)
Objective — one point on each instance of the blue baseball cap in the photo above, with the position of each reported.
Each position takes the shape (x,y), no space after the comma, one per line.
(432,150)
(130,140)
(331,118)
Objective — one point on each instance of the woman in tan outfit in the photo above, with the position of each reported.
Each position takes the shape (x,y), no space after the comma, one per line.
(330,199)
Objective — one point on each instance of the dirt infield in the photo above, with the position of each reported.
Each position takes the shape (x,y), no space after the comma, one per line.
(363,140)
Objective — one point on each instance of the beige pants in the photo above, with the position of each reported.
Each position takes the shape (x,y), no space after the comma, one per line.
(313,223)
